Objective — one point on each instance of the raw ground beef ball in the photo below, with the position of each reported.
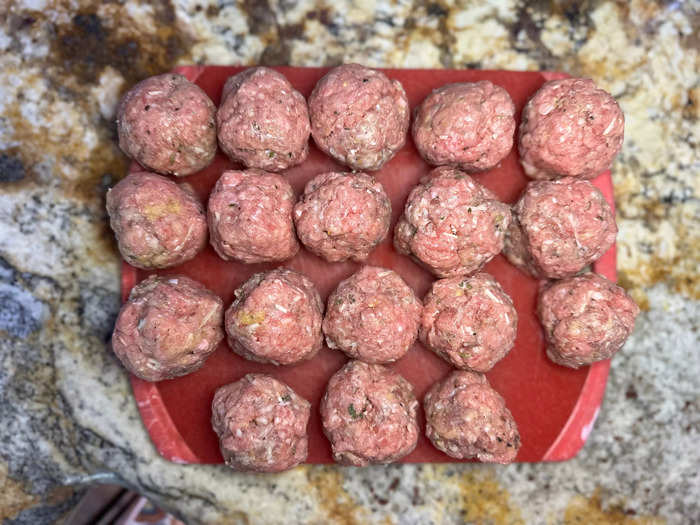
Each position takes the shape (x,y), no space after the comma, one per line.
(276,318)
(167,328)
(358,116)
(570,128)
(250,217)
(469,125)
(263,121)
(469,321)
(585,318)
(559,227)
(451,224)
(342,216)
(261,424)
(157,223)
(369,415)
(373,316)
(466,418)
(166,124)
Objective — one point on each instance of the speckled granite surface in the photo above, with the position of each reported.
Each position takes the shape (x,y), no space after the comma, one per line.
(66,414)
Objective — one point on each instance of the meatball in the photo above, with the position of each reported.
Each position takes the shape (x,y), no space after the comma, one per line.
(250,217)
(261,424)
(470,322)
(373,316)
(358,116)
(369,415)
(466,418)
(157,223)
(167,328)
(166,124)
(343,216)
(451,224)
(570,128)
(559,227)
(469,125)
(276,318)
(585,318)
(263,122)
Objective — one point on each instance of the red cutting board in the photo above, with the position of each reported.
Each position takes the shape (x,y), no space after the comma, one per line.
(554,407)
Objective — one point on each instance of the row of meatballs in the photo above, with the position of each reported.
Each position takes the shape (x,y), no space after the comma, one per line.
(361,118)
(451,224)
(252,217)
(170,325)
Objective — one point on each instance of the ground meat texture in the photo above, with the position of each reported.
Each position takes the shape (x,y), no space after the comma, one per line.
(343,216)
(570,128)
(157,223)
(451,224)
(250,217)
(470,322)
(466,418)
(358,116)
(585,318)
(261,424)
(166,124)
(276,318)
(369,415)
(263,122)
(469,125)
(373,316)
(559,227)
(167,328)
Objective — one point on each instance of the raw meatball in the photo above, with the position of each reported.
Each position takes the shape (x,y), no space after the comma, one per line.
(469,125)
(167,328)
(369,415)
(559,227)
(373,316)
(469,322)
(250,217)
(570,128)
(586,319)
(263,121)
(261,424)
(166,124)
(276,318)
(451,224)
(343,216)
(157,223)
(358,116)
(466,418)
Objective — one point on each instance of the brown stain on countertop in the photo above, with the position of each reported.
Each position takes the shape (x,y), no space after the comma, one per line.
(92,42)
(13,498)
(472,494)
(484,500)
(339,506)
(590,511)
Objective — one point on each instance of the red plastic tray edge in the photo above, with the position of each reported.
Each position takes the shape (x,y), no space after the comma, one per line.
(171,446)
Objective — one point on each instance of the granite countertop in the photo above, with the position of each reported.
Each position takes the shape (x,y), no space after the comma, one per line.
(67,417)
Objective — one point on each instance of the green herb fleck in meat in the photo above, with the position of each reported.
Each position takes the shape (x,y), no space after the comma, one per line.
(353,413)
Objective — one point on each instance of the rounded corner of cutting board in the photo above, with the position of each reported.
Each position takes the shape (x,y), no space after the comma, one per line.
(171,445)
(163,432)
